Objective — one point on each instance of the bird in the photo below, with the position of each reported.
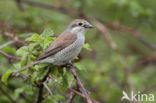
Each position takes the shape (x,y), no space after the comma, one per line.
(66,46)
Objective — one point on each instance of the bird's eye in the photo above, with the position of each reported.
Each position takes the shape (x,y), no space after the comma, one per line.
(80,24)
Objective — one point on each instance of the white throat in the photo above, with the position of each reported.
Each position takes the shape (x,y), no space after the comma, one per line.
(78,30)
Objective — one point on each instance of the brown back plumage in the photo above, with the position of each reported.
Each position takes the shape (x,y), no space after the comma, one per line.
(62,41)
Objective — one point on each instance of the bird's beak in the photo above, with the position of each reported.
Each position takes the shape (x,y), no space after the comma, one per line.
(88,26)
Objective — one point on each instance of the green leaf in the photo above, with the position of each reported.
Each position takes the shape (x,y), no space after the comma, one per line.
(17,92)
(41,71)
(34,37)
(23,51)
(9,49)
(6,76)
(87,47)
(64,86)
(47,32)
(47,42)
(32,46)
(17,66)
(49,100)
(79,66)
(59,97)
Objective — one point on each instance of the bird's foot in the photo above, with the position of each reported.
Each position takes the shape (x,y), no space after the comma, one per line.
(69,64)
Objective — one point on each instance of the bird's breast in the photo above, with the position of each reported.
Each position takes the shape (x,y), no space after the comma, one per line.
(75,48)
(70,52)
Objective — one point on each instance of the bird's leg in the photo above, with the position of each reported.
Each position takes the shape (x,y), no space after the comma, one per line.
(69,64)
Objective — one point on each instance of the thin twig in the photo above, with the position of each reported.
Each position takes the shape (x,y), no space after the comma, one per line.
(6,44)
(24,35)
(72,95)
(12,28)
(15,38)
(48,89)
(114,47)
(19,5)
(78,93)
(84,91)
(47,6)
(41,87)
(13,41)
(135,33)
(9,56)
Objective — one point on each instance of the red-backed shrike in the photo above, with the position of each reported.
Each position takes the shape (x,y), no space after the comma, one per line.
(67,45)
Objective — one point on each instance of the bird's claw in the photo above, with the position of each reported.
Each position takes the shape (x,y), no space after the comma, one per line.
(69,64)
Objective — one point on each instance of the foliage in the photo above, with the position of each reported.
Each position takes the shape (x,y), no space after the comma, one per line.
(37,45)
(99,68)
(6,76)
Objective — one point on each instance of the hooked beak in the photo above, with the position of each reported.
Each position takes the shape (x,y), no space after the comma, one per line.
(88,26)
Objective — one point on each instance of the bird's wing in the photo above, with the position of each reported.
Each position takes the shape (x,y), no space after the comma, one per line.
(64,40)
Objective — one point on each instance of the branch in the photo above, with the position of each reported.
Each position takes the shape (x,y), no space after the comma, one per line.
(12,28)
(135,33)
(47,6)
(41,87)
(9,56)
(84,91)
(40,94)
(114,47)
(109,25)
(15,38)
(146,60)
(19,5)
(6,44)
(149,89)
(72,95)
(48,89)
(78,93)
(12,41)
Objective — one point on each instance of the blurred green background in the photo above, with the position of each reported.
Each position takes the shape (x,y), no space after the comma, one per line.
(106,72)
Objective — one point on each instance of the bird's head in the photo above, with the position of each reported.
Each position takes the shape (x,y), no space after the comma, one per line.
(79,25)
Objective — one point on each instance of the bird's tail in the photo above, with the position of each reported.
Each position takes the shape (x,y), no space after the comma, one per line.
(25,67)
